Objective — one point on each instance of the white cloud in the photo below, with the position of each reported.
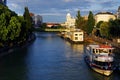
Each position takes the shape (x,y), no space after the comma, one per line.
(13,6)
(100,1)
(51,14)
(68,0)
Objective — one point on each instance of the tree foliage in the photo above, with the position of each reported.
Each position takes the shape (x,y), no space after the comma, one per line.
(79,21)
(14,28)
(90,23)
(28,20)
(23,28)
(3,27)
(98,24)
(104,29)
(115,28)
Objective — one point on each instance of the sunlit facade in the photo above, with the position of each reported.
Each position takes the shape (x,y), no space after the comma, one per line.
(118,13)
(104,16)
(70,21)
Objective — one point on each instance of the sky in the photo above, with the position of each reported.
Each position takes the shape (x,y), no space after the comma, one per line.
(56,10)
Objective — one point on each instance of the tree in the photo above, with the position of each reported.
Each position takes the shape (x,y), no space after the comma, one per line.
(115,28)
(27,20)
(23,28)
(3,28)
(104,29)
(14,28)
(79,21)
(98,24)
(90,23)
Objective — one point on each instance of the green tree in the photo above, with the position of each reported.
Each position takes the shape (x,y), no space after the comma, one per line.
(104,29)
(23,34)
(115,28)
(3,28)
(79,21)
(27,20)
(14,28)
(98,24)
(90,23)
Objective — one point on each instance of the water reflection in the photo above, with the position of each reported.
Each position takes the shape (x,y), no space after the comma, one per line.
(75,50)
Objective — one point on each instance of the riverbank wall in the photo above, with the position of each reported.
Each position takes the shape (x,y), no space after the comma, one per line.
(8,50)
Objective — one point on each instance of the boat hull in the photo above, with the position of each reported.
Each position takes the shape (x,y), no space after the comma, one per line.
(103,72)
(98,70)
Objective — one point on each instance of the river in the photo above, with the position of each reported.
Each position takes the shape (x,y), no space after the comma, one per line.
(49,57)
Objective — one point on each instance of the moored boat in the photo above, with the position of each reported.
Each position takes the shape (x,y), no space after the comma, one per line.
(100,58)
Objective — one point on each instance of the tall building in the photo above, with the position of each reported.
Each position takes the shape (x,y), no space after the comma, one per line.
(118,13)
(37,20)
(70,21)
(3,2)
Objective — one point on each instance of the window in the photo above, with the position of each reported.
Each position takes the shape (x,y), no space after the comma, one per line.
(80,34)
(76,38)
(93,50)
(76,34)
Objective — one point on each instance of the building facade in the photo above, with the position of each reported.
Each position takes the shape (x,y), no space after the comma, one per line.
(70,21)
(37,20)
(118,13)
(77,36)
(52,24)
(3,2)
(104,16)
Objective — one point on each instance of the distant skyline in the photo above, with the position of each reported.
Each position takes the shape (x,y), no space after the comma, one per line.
(56,10)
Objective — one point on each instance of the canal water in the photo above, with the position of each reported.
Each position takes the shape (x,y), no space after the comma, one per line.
(49,57)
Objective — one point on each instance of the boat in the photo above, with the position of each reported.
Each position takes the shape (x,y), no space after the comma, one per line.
(100,58)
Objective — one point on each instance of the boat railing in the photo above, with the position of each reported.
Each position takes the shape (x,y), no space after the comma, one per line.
(103,58)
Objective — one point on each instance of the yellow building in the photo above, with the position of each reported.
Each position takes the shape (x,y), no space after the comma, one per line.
(74,36)
(104,16)
(77,36)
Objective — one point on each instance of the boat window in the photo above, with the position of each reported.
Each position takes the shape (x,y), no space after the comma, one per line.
(93,50)
(110,51)
(103,51)
(97,51)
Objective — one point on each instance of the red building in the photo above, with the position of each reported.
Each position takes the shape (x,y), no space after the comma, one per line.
(52,24)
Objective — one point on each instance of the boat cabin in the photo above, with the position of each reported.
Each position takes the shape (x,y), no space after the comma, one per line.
(101,49)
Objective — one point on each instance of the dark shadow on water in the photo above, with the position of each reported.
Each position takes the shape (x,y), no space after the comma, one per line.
(12,66)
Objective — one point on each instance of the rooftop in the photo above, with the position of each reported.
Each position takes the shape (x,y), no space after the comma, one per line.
(104,13)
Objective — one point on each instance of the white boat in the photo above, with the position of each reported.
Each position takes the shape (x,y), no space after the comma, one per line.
(100,58)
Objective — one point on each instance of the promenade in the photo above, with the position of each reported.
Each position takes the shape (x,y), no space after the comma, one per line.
(93,39)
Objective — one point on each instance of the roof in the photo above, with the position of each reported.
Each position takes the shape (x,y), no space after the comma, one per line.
(105,46)
(104,13)
(94,46)
(100,46)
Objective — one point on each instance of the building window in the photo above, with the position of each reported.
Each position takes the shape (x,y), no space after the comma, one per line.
(76,34)
(76,38)
(80,34)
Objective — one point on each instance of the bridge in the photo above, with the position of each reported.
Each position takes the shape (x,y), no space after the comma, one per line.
(56,30)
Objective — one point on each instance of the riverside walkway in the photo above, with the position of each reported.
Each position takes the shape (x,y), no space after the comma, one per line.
(101,40)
